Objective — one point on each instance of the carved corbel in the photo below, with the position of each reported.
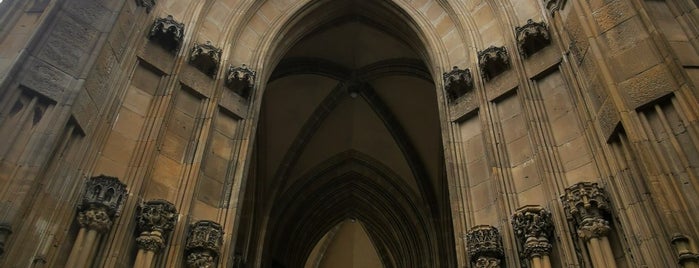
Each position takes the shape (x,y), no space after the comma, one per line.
(168,33)
(493,61)
(458,82)
(532,37)
(203,244)
(533,228)
(241,80)
(148,4)
(101,203)
(155,220)
(206,58)
(485,248)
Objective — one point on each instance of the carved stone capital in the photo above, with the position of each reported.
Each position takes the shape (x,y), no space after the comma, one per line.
(148,4)
(585,200)
(554,5)
(533,228)
(96,218)
(105,192)
(5,232)
(206,57)
(684,249)
(532,37)
(593,228)
(203,244)
(493,61)
(458,82)
(156,215)
(167,32)
(484,244)
(151,241)
(240,79)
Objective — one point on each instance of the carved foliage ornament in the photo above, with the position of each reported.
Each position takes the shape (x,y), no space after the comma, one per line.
(586,204)
(532,37)
(533,228)
(458,82)
(484,246)
(203,244)
(148,4)
(493,61)
(240,79)
(168,33)
(155,219)
(206,57)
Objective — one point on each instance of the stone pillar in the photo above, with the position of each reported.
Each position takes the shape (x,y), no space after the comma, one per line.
(101,203)
(203,244)
(484,246)
(155,220)
(586,204)
(534,228)
(686,258)
(5,232)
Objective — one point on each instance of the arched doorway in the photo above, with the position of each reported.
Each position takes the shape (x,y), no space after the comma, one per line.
(348,141)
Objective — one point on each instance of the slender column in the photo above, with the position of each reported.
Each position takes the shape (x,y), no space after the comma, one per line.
(534,228)
(101,203)
(203,244)
(586,204)
(155,220)
(485,247)
(686,258)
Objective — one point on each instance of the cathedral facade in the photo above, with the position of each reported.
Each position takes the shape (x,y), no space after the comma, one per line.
(349,133)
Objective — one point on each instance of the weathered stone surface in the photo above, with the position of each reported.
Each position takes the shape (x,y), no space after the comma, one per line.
(648,86)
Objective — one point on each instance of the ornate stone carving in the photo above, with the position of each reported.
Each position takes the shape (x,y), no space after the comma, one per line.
(484,246)
(533,228)
(532,37)
(155,219)
(493,61)
(168,33)
(206,57)
(148,4)
(104,192)
(554,5)
(203,244)
(240,80)
(458,82)
(684,250)
(586,204)
(5,232)
(95,218)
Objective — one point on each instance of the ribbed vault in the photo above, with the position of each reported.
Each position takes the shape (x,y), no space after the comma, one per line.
(349,130)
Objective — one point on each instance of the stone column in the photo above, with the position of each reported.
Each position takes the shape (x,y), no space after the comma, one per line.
(534,228)
(586,204)
(484,246)
(155,220)
(101,203)
(686,258)
(203,244)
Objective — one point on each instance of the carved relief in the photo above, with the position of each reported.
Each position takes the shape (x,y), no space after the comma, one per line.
(168,33)
(240,80)
(102,201)
(585,204)
(533,228)
(458,82)
(155,219)
(203,244)
(148,4)
(532,37)
(484,246)
(493,61)
(206,58)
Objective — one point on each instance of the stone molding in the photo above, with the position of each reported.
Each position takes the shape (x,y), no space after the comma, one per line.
(532,37)
(585,204)
(167,32)
(684,250)
(458,82)
(203,244)
(148,4)
(493,61)
(155,219)
(533,228)
(206,57)
(485,246)
(241,80)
